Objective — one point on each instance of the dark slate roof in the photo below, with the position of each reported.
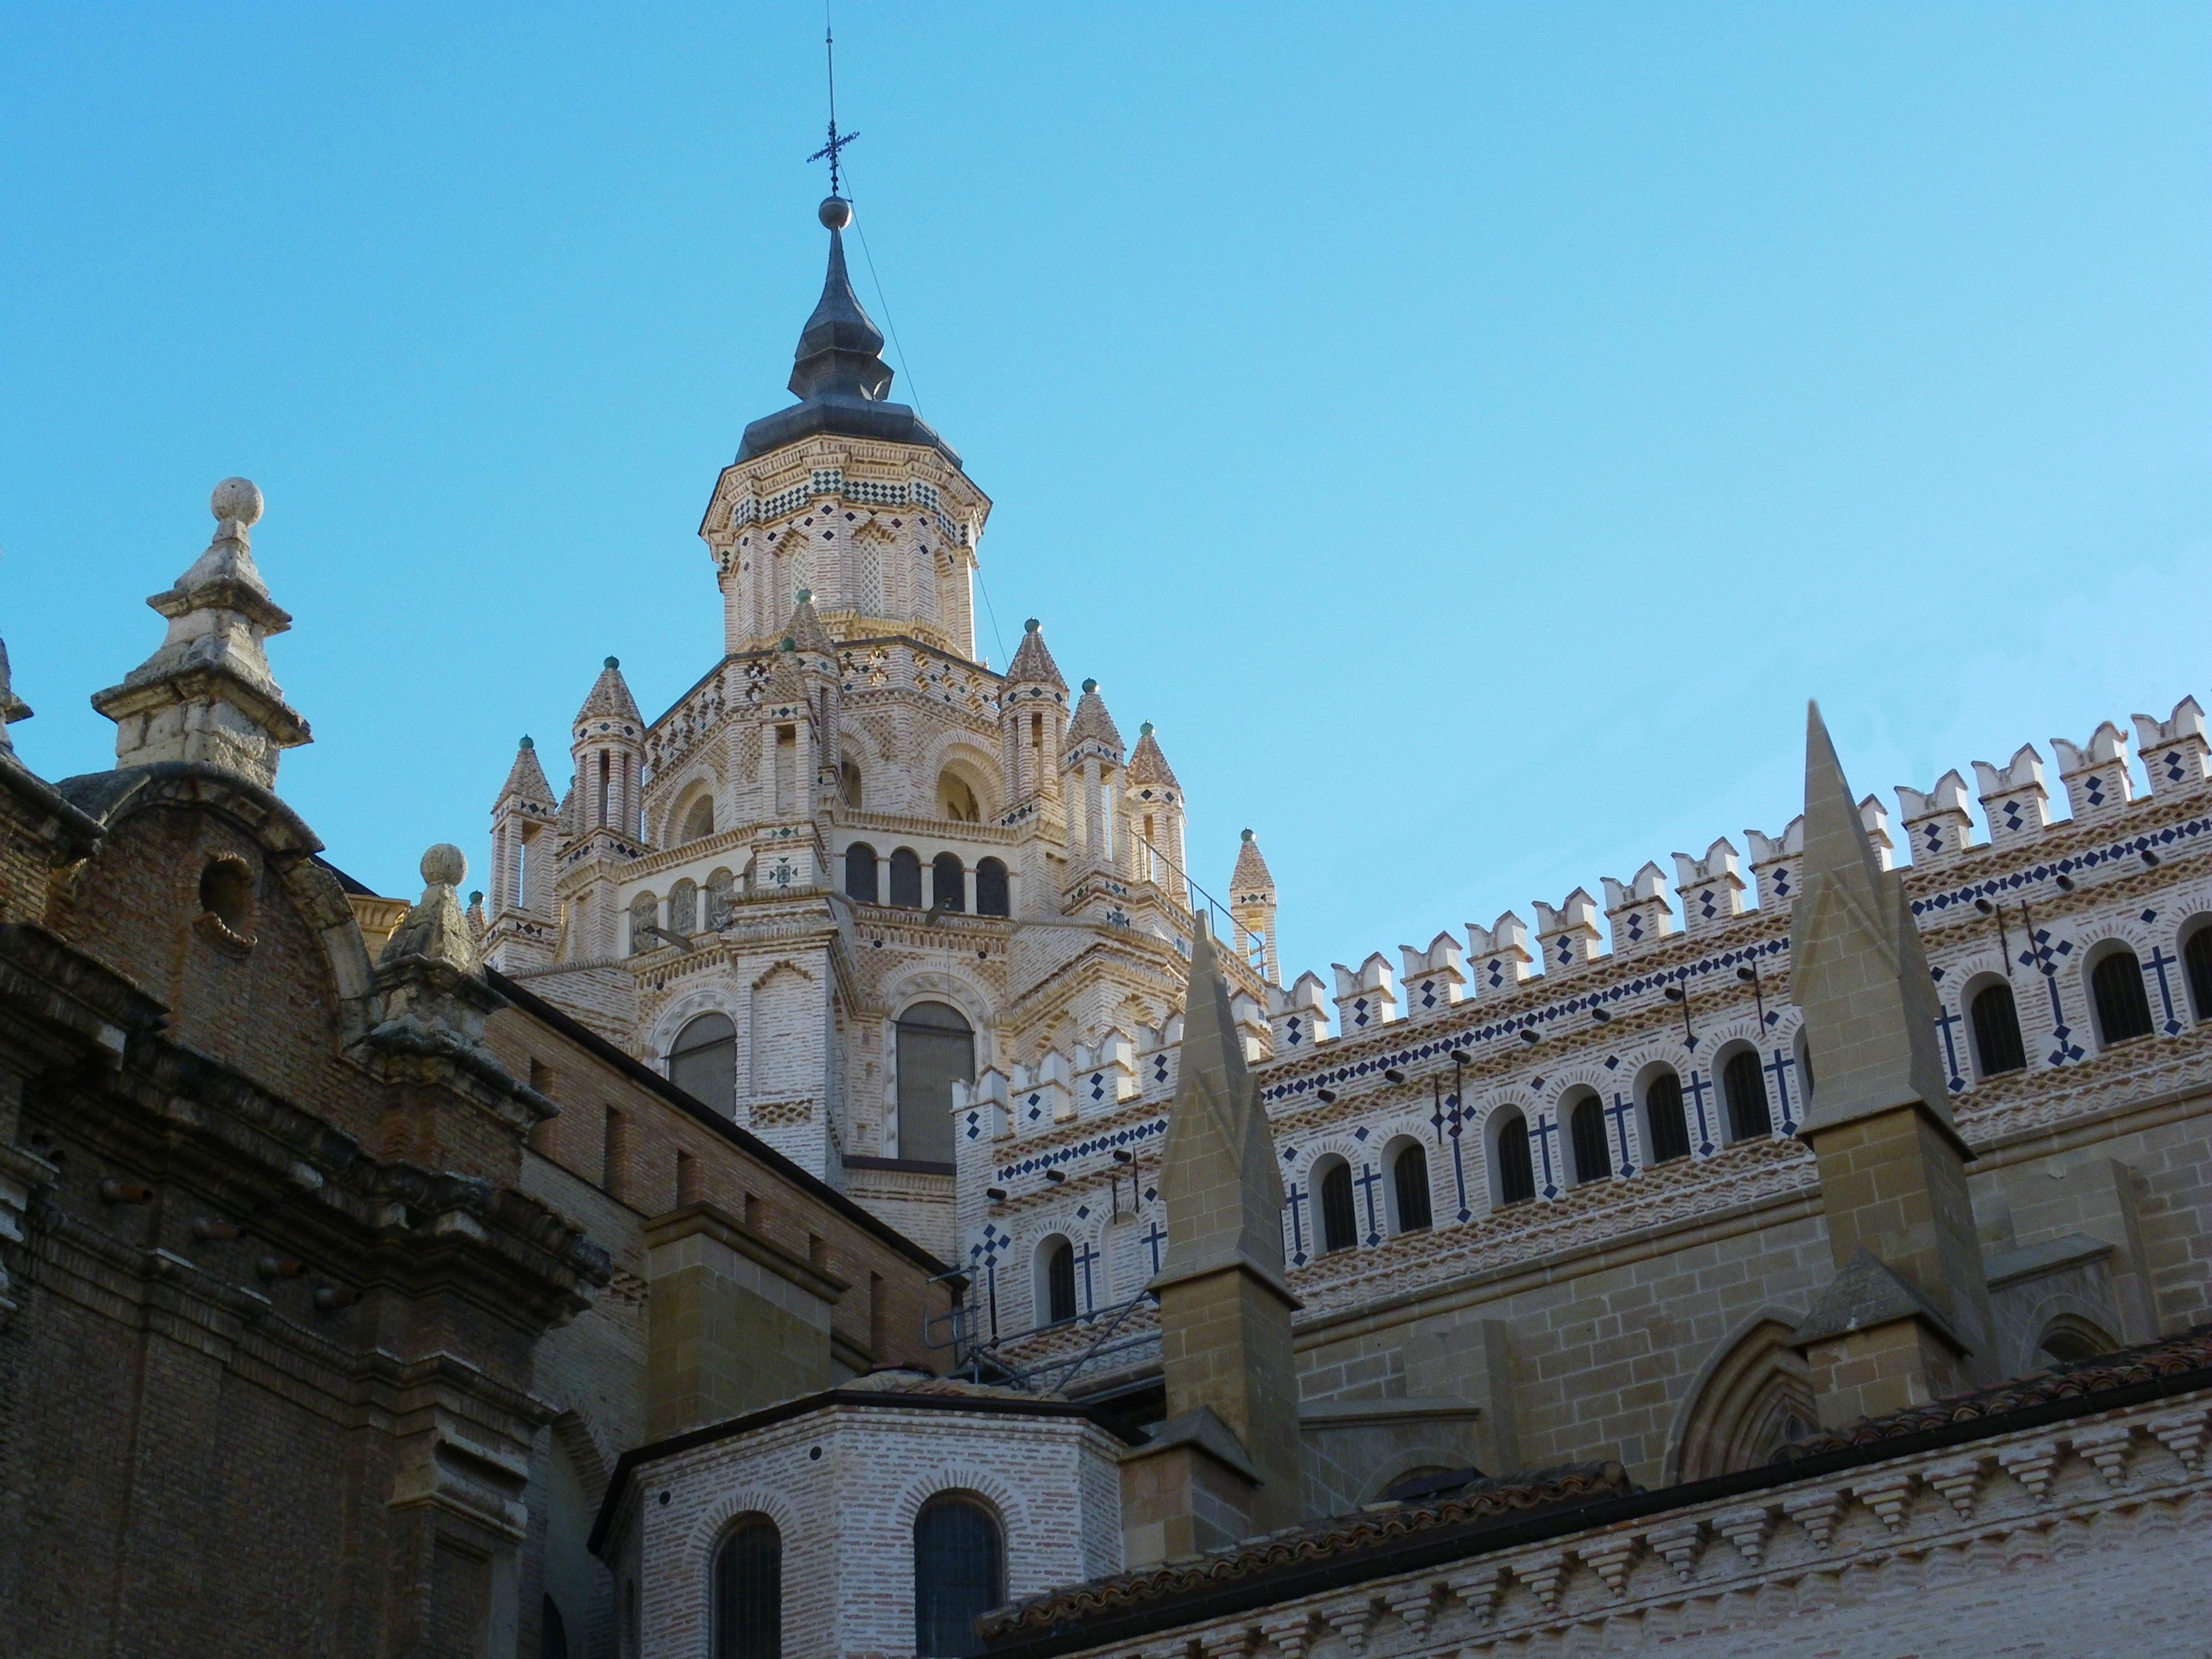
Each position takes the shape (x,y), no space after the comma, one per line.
(838,372)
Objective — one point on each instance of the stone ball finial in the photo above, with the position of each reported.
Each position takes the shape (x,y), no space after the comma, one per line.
(1031,626)
(614,662)
(1248,834)
(445,866)
(238,499)
(836,213)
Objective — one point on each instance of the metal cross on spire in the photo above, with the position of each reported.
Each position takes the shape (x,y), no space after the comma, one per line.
(837,142)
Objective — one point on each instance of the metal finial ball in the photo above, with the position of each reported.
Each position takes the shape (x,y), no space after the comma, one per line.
(787,643)
(614,662)
(1088,686)
(1248,834)
(1031,626)
(445,866)
(836,213)
(477,897)
(526,744)
(1146,730)
(238,499)
(806,596)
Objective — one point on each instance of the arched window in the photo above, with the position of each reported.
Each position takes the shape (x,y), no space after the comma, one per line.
(1586,1129)
(644,915)
(959,1572)
(683,908)
(1340,1222)
(1745,1086)
(2196,959)
(860,873)
(1516,1174)
(552,1631)
(956,800)
(1055,1286)
(991,894)
(1667,1127)
(848,784)
(1997,1047)
(906,878)
(703,1062)
(1409,1185)
(2070,1340)
(2116,986)
(698,821)
(749,1591)
(948,883)
(936,1048)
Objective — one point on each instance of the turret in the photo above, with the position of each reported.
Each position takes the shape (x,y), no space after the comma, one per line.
(1153,801)
(518,929)
(1091,768)
(1032,719)
(207,694)
(609,747)
(1252,908)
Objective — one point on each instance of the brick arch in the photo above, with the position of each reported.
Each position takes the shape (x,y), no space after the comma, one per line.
(715,1521)
(1732,1415)
(572,1432)
(682,1011)
(1007,1506)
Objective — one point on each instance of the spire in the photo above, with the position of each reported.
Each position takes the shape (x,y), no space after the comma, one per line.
(1148,765)
(1218,1177)
(838,373)
(1033,664)
(526,780)
(1858,967)
(1092,724)
(12,708)
(840,350)
(207,695)
(1251,875)
(805,629)
(610,700)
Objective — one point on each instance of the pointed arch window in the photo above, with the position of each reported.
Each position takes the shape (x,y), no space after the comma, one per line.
(2116,986)
(1667,1125)
(703,1062)
(959,1571)
(1340,1222)
(1745,1085)
(1995,1020)
(1517,1172)
(1586,1129)
(699,820)
(1409,1181)
(749,1591)
(860,884)
(993,898)
(906,878)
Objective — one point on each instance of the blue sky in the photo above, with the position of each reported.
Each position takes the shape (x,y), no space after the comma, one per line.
(1469,433)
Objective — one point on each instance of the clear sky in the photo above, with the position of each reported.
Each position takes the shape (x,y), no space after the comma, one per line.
(1470,434)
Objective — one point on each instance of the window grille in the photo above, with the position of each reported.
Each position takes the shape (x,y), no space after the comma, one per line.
(959,1572)
(1746,1087)
(749,1592)
(2116,985)
(1997,1031)
(1592,1162)
(1662,1112)
(1340,1223)
(1410,1174)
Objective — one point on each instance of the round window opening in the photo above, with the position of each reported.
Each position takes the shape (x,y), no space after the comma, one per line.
(227,897)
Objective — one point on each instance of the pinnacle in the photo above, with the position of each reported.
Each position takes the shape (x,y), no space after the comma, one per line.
(609,699)
(1033,664)
(1148,765)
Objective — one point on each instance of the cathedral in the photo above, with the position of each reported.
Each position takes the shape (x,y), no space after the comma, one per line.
(844,1189)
